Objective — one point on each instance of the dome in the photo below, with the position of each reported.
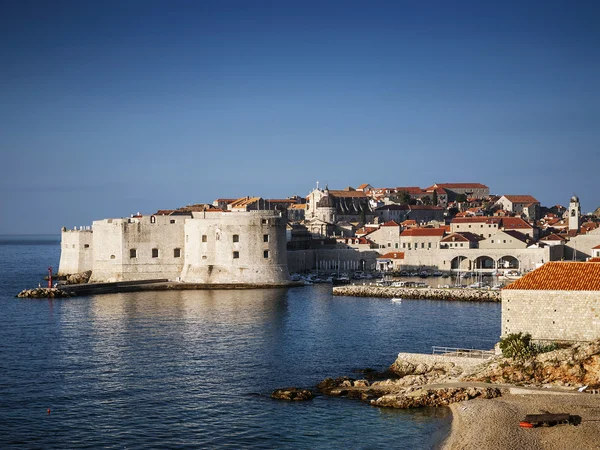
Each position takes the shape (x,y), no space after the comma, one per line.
(574,199)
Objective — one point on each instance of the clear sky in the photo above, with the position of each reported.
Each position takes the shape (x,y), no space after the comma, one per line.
(110,108)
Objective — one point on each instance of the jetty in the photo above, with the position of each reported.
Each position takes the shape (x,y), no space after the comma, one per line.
(457,294)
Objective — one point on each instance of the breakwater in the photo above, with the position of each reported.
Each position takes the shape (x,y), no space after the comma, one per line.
(471,295)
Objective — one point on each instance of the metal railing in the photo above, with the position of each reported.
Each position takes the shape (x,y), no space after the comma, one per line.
(462,352)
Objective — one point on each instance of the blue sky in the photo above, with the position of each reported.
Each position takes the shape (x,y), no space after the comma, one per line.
(110,108)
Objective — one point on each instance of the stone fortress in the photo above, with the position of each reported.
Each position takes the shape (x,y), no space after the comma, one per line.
(206,247)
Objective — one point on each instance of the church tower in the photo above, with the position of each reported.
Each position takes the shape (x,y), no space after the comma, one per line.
(574,213)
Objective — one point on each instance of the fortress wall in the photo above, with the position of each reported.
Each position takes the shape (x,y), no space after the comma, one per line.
(441,259)
(212,260)
(349,260)
(115,238)
(553,315)
(76,253)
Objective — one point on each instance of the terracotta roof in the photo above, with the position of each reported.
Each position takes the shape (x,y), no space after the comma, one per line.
(412,190)
(244,201)
(521,198)
(164,212)
(515,223)
(560,276)
(347,193)
(596,247)
(462,237)
(553,237)
(225,200)
(391,223)
(480,219)
(362,186)
(393,255)
(459,186)
(424,232)
(594,260)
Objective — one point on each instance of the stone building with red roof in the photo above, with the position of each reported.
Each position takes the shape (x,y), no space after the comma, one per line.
(560,301)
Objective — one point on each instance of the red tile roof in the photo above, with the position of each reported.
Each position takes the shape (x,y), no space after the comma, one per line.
(393,255)
(362,186)
(560,276)
(462,237)
(594,260)
(521,198)
(459,186)
(480,219)
(423,232)
(596,247)
(515,223)
(553,237)
(412,190)
(347,193)
(391,223)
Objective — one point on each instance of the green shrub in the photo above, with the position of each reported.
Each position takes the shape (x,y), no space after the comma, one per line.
(517,345)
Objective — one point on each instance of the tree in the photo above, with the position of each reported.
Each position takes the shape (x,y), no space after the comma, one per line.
(435,198)
(401,197)
(461,198)
(426,200)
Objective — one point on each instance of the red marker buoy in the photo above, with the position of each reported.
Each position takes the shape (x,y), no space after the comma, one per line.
(48,410)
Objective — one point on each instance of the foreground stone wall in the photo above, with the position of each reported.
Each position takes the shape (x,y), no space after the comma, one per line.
(418,293)
(552,315)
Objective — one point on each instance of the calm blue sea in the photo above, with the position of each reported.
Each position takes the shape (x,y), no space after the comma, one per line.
(195,369)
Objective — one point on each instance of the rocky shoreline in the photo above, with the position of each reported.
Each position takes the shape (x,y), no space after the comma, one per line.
(489,397)
(472,295)
(44,293)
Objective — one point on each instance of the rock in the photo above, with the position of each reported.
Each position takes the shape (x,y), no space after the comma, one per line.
(434,397)
(44,293)
(292,394)
(329,384)
(79,278)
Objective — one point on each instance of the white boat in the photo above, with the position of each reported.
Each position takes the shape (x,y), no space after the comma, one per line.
(396,300)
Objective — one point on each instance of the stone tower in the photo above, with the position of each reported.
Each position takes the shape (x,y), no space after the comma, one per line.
(574,213)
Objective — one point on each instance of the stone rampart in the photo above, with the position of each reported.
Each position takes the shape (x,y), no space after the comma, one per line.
(477,295)
(76,251)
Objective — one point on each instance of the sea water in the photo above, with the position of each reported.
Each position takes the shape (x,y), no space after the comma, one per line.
(194,369)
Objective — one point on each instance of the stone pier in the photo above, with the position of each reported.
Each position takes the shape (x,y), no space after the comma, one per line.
(472,295)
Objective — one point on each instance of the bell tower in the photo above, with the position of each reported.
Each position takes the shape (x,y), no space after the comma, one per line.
(574,213)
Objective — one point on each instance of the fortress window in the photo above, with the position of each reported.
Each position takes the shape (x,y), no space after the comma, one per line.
(132,253)
(236,255)
(86,245)
(204,238)
(172,221)
(176,253)
(265,238)
(266,254)
(152,219)
(155,253)
(112,256)
(236,238)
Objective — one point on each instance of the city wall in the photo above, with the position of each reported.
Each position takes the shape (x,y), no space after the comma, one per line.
(235,248)
(328,260)
(138,248)
(76,251)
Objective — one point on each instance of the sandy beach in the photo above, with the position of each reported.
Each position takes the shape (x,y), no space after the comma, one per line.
(494,424)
